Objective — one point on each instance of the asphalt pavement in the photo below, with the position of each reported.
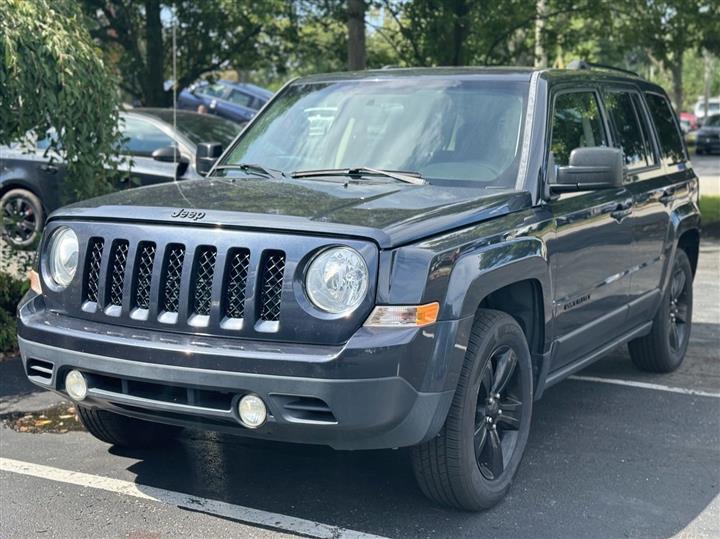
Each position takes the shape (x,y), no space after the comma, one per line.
(613,453)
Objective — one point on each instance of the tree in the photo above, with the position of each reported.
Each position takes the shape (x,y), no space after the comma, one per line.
(209,36)
(52,77)
(667,29)
(357,53)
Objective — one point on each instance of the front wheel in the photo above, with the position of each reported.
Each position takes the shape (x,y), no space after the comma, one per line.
(125,431)
(471,463)
(663,349)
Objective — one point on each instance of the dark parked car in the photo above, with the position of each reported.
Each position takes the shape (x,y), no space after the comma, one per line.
(708,136)
(235,101)
(381,259)
(31,184)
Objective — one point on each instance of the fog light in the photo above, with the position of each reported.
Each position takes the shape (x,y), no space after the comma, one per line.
(252,410)
(75,385)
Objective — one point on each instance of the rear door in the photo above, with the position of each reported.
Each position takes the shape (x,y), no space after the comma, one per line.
(656,194)
(647,182)
(590,252)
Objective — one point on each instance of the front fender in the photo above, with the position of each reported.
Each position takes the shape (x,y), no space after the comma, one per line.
(479,273)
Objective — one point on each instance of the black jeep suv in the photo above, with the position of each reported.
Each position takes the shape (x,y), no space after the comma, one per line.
(381,259)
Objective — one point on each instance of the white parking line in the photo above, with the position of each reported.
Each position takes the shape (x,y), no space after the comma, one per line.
(646,385)
(185,501)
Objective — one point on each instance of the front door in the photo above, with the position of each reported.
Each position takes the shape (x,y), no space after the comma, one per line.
(591,250)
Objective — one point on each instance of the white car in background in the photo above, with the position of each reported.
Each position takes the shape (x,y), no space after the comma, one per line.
(713,108)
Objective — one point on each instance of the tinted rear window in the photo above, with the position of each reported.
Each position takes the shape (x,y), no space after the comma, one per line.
(628,133)
(671,144)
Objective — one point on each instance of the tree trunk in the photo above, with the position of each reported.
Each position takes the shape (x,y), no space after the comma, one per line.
(541,58)
(357,55)
(459,34)
(154,81)
(676,72)
(707,81)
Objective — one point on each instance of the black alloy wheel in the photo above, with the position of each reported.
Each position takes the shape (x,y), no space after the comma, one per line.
(664,348)
(498,413)
(471,463)
(22,217)
(678,310)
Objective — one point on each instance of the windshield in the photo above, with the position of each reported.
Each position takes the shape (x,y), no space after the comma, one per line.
(444,129)
(713,121)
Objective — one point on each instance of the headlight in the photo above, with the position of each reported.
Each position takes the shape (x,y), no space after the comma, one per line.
(337,280)
(63,256)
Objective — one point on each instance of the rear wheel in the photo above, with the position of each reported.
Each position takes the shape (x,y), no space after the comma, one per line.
(125,431)
(22,217)
(471,463)
(663,349)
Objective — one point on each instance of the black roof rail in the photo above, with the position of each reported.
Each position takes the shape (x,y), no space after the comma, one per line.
(583,64)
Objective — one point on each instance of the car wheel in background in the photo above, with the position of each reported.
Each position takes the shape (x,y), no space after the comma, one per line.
(471,463)
(22,217)
(663,349)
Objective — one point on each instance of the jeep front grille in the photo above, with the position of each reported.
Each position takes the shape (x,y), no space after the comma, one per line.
(272,279)
(137,264)
(174,258)
(237,272)
(92,269)
(143,274)
(116,277)
(203,279)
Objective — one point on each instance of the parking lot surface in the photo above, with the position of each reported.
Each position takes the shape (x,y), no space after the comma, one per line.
(613,453)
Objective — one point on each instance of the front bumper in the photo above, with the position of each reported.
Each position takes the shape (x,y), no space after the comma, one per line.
(384,388)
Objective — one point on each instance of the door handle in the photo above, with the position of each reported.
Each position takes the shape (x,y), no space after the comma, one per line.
(50,169)
(667,197)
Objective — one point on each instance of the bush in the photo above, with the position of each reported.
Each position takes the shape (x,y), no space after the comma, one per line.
(11,291)
(710,210)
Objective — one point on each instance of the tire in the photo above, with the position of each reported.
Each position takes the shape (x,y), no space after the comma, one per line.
(22,218)
(663,349)
(448,468)
(125,431)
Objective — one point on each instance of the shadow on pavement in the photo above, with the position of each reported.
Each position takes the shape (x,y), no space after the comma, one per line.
(602,461)
(13,383)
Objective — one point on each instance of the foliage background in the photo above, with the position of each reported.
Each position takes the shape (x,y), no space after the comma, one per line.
(269,41)
(52,76)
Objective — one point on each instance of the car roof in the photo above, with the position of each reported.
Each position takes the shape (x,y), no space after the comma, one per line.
(256,91)
(516,73)
(553,76)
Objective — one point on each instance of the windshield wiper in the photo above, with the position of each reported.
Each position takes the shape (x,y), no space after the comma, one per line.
(251,168)
(407,177)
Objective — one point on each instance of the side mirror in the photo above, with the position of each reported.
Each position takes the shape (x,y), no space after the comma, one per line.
(206,155)
(591,168)
(170,154)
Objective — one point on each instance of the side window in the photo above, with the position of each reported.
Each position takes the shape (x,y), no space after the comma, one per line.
(628,133)
(240,98)
(644,129)
(211,90)
(671,144)
(576,123)
(143,138)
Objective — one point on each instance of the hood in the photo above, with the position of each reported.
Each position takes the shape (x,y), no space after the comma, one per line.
(390,213)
